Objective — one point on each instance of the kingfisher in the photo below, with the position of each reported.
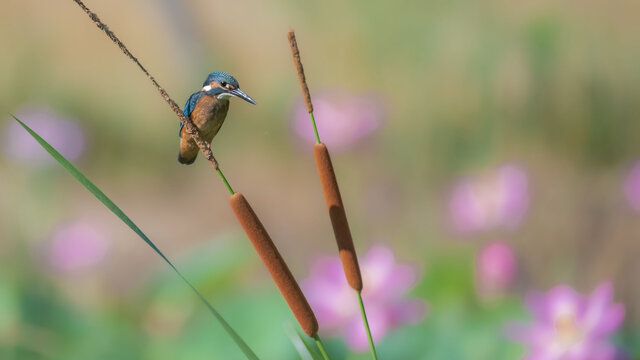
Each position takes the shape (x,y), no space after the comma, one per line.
(207,109)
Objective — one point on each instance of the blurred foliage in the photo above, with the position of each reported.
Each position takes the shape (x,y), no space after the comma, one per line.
(466,85)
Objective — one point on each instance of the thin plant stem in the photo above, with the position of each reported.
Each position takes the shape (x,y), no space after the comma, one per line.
(189,125)
(333,199)
(204,146)
(224,180)
(321,347)
(372,346)
(315,128)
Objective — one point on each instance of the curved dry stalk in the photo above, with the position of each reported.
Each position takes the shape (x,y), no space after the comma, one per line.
(295,52)
(191,128)
(246,216)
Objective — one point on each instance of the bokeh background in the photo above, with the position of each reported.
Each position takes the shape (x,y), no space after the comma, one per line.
(422,103)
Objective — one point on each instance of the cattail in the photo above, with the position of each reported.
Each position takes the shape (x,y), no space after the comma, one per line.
(333,199)
(303,82)
(329,185)
(275,264)
(338,216)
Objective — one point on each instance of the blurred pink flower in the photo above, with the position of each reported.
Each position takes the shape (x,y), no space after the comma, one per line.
(342,118)
(569,326)
(632,187)
(496,269)
(63,133)
(385,286)
(498,199)
(76,246)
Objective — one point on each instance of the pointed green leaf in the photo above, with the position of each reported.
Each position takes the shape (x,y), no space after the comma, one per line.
(119,213)
(304,349)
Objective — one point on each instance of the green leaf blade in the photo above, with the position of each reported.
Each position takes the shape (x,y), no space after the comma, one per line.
(104,199)
(303,348)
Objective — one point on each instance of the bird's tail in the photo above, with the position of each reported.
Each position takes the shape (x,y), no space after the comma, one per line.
(187,160)
(188,151)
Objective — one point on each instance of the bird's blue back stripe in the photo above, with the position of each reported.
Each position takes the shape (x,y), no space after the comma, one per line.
(189,106)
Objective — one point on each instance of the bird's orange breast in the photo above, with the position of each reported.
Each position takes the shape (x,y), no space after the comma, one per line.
(209,114)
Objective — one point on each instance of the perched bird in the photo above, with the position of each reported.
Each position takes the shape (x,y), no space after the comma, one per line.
(207,109)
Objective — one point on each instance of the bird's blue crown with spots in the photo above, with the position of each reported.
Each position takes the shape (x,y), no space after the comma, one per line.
(221,77)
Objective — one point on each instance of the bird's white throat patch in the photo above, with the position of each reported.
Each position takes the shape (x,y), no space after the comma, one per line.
(206,88)
(223,95)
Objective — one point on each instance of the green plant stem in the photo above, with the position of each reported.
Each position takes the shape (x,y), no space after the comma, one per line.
(372,346)
(224,180)
(315,128)
(321,347)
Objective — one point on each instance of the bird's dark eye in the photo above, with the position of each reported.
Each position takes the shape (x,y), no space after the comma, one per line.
(224,84)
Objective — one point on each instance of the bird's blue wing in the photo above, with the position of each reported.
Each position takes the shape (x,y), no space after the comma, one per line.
(189,106)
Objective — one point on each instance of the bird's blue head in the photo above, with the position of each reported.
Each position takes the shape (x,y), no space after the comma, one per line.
(222,84)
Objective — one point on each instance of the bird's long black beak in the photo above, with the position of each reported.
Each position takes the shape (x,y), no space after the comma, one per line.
(241,94)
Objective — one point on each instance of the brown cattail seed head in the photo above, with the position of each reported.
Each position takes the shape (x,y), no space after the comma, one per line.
(296,60)
(338,216)
(275,264)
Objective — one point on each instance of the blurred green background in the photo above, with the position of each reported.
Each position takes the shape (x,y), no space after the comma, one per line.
(465,86)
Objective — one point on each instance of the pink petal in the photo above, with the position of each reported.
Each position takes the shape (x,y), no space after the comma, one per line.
(495,268)
(342,118)
(77,246)
(601,316)
(464,212)
(356,334)
(328,269)
(514,184)
(593,350)
(63,133)
(560,300)
(632,187)
(377,266)
(399,282)
(531,334)
(612,319)
(385,285)
(407,312)
(329,295)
